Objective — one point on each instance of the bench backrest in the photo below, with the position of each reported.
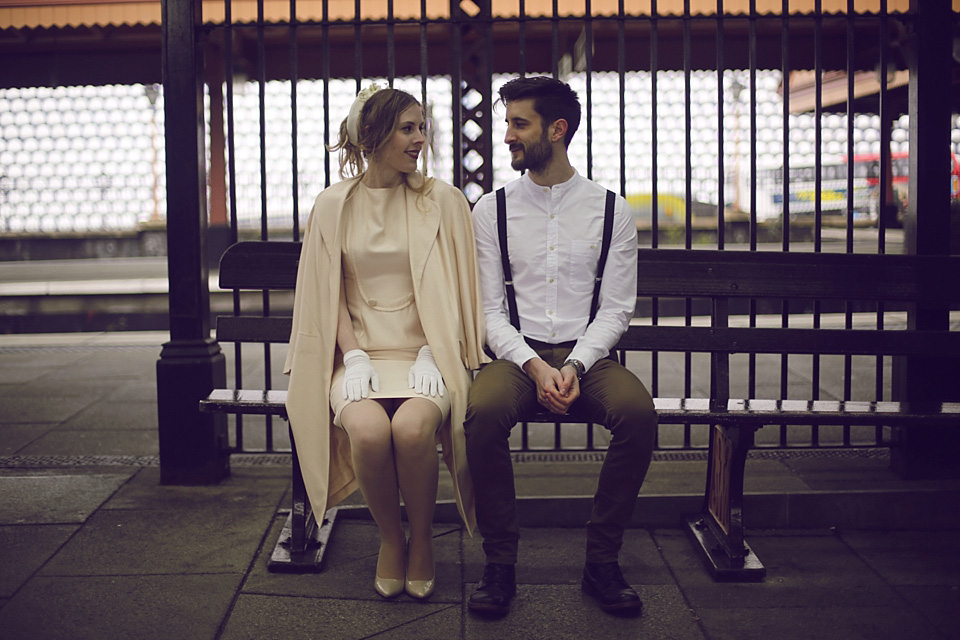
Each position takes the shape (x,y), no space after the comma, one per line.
(720,276)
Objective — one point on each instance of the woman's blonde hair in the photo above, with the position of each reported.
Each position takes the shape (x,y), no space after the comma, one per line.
(378,120)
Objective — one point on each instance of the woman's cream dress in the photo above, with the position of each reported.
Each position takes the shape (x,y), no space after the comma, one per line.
(379,289)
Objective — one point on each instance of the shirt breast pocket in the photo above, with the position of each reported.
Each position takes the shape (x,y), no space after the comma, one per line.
(583,264)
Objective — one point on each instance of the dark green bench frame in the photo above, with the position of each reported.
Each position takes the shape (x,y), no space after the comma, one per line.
(723,278)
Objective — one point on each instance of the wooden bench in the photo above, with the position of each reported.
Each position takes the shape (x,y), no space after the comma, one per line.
(725,279)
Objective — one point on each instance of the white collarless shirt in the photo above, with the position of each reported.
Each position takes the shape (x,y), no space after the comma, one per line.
(553,240)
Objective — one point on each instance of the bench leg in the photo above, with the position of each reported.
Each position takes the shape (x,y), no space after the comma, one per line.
(717,532)
(302,544)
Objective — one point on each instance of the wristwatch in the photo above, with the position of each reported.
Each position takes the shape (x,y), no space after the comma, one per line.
(576,364)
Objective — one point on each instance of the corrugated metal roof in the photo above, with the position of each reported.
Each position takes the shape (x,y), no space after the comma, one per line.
(20,14)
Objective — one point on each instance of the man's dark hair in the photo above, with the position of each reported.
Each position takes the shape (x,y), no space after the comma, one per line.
(552,100)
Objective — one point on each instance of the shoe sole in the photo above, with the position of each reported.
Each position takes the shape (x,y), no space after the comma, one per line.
(633,605)
(483,607)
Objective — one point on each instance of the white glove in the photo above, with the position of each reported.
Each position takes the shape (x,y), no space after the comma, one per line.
(424,377)
(359,375)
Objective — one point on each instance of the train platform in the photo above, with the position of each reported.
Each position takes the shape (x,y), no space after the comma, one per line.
(92,546)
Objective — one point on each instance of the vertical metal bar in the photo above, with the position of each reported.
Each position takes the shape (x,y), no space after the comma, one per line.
(424,70)
(886,117)
(622,106)
(522,40)
(262,89)
(588,60)
(785,73)
(264,228)
(654,206)
(785,218)
(456,82)
(884,171)
(851,116)
(654,111)
(555,41)
(817,181)
(752,45)
(688,202)
(688,126)
(325,71)
(818,131)
(721,93)
(294,75)
(391,48)
(358,45)
(232,195)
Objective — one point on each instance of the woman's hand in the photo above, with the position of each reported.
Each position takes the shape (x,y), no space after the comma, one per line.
(424,376)
(359,376)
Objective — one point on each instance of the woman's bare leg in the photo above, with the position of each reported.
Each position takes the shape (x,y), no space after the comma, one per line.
(414,427)
(367,423)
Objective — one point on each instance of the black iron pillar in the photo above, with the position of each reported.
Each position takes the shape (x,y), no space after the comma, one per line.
(472,103)
(928,452)
(193,446)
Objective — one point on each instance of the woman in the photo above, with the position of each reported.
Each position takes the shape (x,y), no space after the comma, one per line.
(386,325)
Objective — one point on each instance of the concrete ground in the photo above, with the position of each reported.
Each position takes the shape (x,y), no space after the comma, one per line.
(92,546)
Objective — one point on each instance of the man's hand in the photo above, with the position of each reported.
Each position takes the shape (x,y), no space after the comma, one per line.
(556,390)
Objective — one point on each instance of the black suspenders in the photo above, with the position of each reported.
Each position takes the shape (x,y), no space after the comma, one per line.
(505,257)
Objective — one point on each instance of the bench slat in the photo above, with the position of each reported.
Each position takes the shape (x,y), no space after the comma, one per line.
(783,275)
(819,412)
(246,401)
(791,340)
(260,265)
(254,329)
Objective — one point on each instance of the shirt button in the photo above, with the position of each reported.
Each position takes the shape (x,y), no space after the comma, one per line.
(552,216)
(551,248)
(549,312)
(553,335)
(550,280)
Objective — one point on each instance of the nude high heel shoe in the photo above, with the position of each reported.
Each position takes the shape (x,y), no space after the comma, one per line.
(388,587)
(419,589)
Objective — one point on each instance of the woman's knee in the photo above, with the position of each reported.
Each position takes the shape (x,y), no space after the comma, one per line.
(366,424)
(415,424)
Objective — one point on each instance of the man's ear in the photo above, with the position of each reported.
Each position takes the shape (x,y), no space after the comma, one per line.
(558,130)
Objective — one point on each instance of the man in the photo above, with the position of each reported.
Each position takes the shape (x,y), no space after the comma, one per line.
(555,352)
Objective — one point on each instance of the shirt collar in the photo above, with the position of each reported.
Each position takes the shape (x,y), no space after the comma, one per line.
(561,188)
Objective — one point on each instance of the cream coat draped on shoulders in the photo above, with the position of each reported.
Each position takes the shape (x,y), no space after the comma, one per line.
(447,295)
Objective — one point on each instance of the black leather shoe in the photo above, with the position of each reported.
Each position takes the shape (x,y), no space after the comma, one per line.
(604,581)
(497,588)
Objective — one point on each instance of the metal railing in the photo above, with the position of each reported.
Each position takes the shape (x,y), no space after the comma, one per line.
(721,130)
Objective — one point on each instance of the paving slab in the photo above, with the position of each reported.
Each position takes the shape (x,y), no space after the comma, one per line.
(54,407)
(25,548)
(40,497)
(113,414)
(564,612)
(258,617)
(822,623)
(220,539)
(914,558)
(939,604)
(248,487)
(87,442)
(14,437)
(120,607)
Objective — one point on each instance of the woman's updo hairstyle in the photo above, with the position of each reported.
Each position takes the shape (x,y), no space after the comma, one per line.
(376,122)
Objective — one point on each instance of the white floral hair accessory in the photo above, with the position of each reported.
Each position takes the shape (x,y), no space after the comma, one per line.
(353,117)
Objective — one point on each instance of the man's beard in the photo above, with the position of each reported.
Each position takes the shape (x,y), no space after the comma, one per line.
(535,157)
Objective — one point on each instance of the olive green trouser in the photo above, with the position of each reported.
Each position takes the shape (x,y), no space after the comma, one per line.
(610,395)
